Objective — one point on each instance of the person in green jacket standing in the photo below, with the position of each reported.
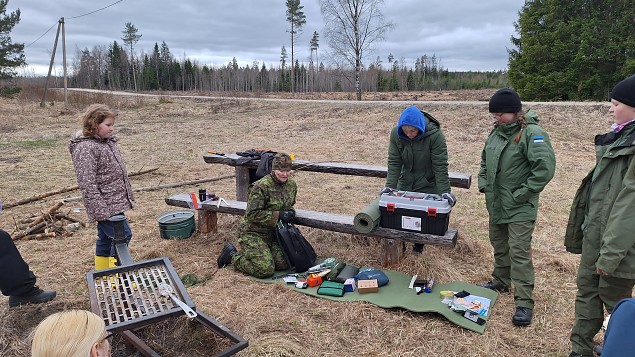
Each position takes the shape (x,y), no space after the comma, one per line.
(601,223)
(517,162)
(418,157)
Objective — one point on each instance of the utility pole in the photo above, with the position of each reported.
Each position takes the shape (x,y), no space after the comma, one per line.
(48,77)
(64,62)
(60,25)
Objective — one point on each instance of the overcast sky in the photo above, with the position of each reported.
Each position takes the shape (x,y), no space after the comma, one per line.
(463,34)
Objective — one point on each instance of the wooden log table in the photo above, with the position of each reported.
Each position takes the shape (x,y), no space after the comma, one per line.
(243,171)
(246,167)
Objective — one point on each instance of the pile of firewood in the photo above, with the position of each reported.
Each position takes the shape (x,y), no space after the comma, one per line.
(54,223)
(49,224)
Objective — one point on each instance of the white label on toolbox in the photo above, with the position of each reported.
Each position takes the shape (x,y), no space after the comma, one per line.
(412,223)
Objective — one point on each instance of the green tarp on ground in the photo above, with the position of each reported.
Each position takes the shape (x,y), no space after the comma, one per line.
(397,295)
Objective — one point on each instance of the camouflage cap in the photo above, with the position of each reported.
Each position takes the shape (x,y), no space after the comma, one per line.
(281,162)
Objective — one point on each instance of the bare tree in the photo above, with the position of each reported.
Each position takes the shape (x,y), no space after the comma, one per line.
(352,28)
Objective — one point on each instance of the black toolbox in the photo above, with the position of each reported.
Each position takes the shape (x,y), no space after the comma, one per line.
(414,211)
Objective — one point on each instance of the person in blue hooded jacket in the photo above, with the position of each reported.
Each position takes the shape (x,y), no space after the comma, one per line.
(418,157)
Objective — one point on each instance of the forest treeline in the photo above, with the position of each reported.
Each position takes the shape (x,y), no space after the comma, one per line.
(112,68)
(572,50)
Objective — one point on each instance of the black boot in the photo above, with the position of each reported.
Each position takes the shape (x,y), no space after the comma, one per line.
(226,255)
(36,296)
(495,286)
(522,317)
(598,350)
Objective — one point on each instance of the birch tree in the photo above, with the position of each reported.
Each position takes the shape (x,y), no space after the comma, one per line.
(352,29)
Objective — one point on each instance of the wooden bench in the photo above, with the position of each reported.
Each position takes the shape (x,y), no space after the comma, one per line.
(390,238)
(391,252)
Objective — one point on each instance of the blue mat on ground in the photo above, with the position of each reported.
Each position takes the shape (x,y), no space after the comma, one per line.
(396,294)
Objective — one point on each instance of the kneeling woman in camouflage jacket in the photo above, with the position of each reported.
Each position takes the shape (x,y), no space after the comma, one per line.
(270,199)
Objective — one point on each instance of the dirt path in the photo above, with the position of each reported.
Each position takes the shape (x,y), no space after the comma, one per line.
(330,101)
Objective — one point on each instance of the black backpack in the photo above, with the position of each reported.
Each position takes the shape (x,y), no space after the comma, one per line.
(298,252)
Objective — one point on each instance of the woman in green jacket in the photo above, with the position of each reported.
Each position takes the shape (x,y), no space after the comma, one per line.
(517,162)
(601,223)
(418,157)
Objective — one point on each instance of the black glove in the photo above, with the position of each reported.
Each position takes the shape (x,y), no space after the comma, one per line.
(287,216)
(385,190)
(450,197)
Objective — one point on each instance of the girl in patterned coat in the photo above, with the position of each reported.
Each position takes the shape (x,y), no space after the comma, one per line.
(102,178)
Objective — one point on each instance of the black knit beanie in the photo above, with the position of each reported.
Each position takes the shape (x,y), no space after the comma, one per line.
(505,100)
(624,92)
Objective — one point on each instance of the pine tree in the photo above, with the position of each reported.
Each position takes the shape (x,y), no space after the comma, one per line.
(166,77)
(283,83)
(573,50)
(314,44)
(155,63)
(115,65)
(297,19)
(283,57)
(149,80)
(11,54)
(130,38)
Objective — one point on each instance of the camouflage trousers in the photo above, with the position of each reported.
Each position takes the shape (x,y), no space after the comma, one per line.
(260,254)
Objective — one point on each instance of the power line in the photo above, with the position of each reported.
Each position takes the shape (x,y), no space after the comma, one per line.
(42,35)
(69,18)
(92,12)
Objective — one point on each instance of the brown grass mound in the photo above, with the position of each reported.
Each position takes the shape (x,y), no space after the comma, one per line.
(173,134)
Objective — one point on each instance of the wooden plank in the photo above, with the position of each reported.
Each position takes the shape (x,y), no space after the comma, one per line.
(457,179)
(322,220)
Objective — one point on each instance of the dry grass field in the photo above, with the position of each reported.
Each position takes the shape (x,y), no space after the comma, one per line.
(173,134)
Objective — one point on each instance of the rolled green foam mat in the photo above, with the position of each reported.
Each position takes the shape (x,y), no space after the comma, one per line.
(368,218)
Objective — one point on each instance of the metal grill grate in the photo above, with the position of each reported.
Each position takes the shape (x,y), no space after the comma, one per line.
(129,296)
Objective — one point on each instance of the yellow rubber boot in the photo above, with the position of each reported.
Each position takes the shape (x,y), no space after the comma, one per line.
(102,263)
